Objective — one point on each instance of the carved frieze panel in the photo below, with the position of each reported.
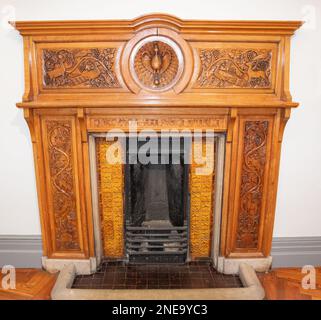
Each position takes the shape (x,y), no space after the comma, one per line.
(103,123)
(254,161)
(235,68)
(79,68)
(61,188)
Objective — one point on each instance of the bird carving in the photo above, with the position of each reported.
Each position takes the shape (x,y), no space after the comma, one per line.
(154,64)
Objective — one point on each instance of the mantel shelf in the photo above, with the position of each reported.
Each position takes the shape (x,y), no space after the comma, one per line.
(149,103)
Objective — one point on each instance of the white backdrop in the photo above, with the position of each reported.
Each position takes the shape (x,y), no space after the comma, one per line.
(299,198)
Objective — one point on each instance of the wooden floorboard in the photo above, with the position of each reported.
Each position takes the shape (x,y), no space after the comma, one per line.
(286,284)
(31,284)
(279,284)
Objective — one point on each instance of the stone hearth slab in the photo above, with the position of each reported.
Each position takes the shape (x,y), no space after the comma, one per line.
(252,290)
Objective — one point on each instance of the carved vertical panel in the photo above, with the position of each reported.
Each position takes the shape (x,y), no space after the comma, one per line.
(61,189)
(111,185)
(201,207)
(254,160)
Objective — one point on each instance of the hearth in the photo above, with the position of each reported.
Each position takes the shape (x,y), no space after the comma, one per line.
(193,275)
(86,79)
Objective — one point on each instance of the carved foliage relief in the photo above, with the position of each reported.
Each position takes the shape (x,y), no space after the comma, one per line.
(252,181)
(156,65)
(235,68)
(61,171)
(81,68)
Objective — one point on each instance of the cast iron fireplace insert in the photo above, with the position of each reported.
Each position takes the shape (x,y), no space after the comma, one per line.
(157,203)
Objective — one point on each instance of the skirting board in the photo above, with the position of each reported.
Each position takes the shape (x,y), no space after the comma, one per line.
(26,251)
(20,251)
(296,251)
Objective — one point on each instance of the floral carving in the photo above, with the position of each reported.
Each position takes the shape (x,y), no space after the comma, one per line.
(252,179)
(87,68)
(156,65)
(62,185)
(235,68)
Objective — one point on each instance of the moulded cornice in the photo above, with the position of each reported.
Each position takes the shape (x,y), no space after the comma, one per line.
(156,20)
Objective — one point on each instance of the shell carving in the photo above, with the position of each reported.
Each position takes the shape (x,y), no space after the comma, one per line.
(156,65)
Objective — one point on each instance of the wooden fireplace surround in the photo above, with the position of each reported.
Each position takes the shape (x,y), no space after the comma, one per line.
(85,77)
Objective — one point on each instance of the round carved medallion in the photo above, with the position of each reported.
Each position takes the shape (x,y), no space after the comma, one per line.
(157,63)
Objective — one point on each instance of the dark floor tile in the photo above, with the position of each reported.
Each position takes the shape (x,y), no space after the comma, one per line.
(152,282)
(131,274)
(99,276)
(142,276)
(197,283)
(120,277)
(113,263)
(196,275)
(154,286)
(129,286)
(81,286)
(134,268)
(163,269)
(119,286)
(141,286)
(131,282)
(117,275)
(186,284)
(140,280)
(209,283)
(175,282)
(152,275)
(163,276)
(152,267)
(174,275)
(161,286)
(108,284)
(174,286)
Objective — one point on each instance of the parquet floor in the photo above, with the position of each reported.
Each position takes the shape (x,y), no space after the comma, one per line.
(279,284)
(31,284)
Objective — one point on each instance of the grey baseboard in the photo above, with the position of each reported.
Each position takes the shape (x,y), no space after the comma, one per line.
(21,251)
(296,251)
(26,251)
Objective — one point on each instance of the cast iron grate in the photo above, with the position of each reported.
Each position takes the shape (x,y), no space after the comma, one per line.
(147,244)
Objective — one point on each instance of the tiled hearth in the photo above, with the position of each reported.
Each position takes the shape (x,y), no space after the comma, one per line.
(117,275)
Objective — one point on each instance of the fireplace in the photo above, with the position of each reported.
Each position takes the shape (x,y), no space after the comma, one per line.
(86,79)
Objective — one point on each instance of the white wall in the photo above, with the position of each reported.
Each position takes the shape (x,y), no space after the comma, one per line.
(299,198)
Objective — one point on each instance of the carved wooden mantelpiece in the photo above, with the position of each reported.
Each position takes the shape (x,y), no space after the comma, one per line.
(84,77)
